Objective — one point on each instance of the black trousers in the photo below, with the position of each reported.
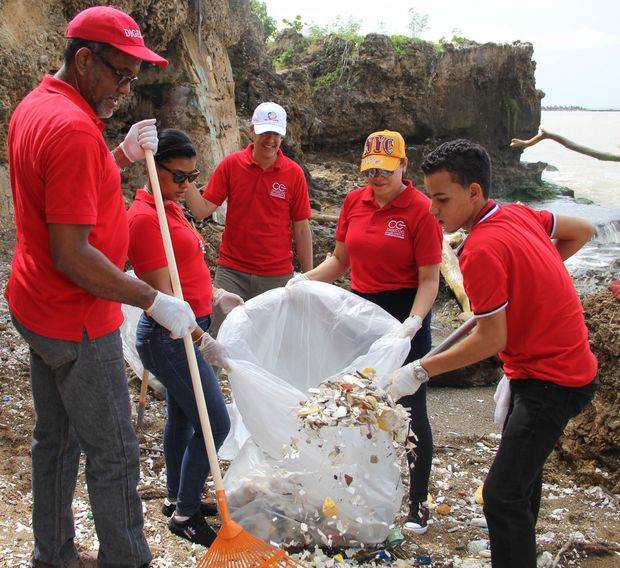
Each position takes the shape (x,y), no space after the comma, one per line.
(398,304)
(539,411)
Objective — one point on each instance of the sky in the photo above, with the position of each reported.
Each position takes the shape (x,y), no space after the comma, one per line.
(576,43)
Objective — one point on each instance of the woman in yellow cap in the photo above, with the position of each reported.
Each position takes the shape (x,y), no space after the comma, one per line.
(392,244)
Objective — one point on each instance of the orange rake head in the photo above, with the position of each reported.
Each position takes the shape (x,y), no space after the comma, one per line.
(236,548)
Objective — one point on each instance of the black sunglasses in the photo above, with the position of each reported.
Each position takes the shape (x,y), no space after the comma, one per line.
(180,177)
(122,79)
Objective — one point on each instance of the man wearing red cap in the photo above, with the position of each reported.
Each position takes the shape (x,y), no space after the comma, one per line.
(67,282)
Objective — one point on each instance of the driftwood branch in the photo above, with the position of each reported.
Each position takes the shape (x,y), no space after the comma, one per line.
(562,551)
(324,217)
(451,273)
(546,135)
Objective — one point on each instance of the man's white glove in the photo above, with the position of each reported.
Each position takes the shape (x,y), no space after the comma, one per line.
(296,279)
(213,352)
(410,327)
(173,314)
(406,380)
(141,135)
(226,301)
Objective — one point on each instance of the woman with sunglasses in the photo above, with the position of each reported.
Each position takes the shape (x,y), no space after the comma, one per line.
(187,466)
(392,244)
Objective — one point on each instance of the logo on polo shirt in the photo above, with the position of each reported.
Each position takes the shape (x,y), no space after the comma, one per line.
(395,228)
(132,33)
(278,190)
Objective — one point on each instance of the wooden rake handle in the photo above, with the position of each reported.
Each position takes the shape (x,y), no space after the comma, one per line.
(187,340)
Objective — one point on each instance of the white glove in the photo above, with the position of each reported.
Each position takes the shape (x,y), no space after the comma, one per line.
(213,352)
(406,380)
(296,279)
(173,314)
(141,135)
(226,301)
(410,327)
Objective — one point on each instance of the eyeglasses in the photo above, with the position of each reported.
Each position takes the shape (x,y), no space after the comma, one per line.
(372,172)
(180,177)
(122,79)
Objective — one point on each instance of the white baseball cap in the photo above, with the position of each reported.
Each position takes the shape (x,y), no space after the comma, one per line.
(269,117)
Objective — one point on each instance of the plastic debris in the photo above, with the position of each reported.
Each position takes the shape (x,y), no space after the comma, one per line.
(395,538)
(353,400)
(475,546)
(478,496)
(329,508)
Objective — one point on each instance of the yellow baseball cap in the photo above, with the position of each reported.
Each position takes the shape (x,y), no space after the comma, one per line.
(383,150)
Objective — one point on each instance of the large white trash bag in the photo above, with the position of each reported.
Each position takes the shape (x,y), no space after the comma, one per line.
(281,343)
(237,435)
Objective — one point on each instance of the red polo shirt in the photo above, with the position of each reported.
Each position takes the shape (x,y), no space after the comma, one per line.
(61,172)
(261,206)
(147,253)
(386,245)
(509,262)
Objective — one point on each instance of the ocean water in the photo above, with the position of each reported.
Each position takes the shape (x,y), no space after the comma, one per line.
(589,177)
(599,261)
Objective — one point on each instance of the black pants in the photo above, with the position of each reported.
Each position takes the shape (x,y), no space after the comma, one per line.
(398,303)
(539,411)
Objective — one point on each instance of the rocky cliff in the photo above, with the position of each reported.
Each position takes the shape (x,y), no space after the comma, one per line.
(338,90)
(195,93)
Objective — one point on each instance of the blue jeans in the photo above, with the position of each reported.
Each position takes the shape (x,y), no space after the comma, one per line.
(539,411)
(398,304)
(81,400)
(187,465)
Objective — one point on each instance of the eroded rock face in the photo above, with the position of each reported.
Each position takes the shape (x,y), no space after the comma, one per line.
(483,92)
(591,440)
(195,93)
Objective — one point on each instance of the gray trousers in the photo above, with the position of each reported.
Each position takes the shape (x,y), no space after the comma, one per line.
(243,284)
(81,401)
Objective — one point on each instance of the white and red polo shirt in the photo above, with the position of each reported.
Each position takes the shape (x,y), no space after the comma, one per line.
(262,204)
(386,245)
(61,172)
(510,263)
(147,252)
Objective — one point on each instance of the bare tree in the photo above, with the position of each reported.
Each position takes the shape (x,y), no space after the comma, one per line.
(418,22)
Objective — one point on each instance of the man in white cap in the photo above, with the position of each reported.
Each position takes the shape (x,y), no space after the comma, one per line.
(267,195)
(67,282)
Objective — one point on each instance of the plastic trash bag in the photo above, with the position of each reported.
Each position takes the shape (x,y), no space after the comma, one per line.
(281,343)
(502,401)
(237,435)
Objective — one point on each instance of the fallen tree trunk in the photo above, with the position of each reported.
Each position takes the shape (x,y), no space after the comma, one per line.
(546,135)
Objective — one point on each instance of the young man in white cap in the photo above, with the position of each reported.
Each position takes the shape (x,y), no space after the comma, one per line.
(267,195)
(67,281)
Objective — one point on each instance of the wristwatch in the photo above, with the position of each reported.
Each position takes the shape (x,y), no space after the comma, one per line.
(419,372)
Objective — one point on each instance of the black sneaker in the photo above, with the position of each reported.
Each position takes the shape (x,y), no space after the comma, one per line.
(195,529)
(417,521)
(206,509)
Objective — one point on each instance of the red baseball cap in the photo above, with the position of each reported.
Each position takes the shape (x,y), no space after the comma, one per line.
(109,25)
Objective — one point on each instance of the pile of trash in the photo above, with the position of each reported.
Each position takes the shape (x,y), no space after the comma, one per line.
(353,400)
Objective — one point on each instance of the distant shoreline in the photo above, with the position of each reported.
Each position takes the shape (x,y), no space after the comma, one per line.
(578,108)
